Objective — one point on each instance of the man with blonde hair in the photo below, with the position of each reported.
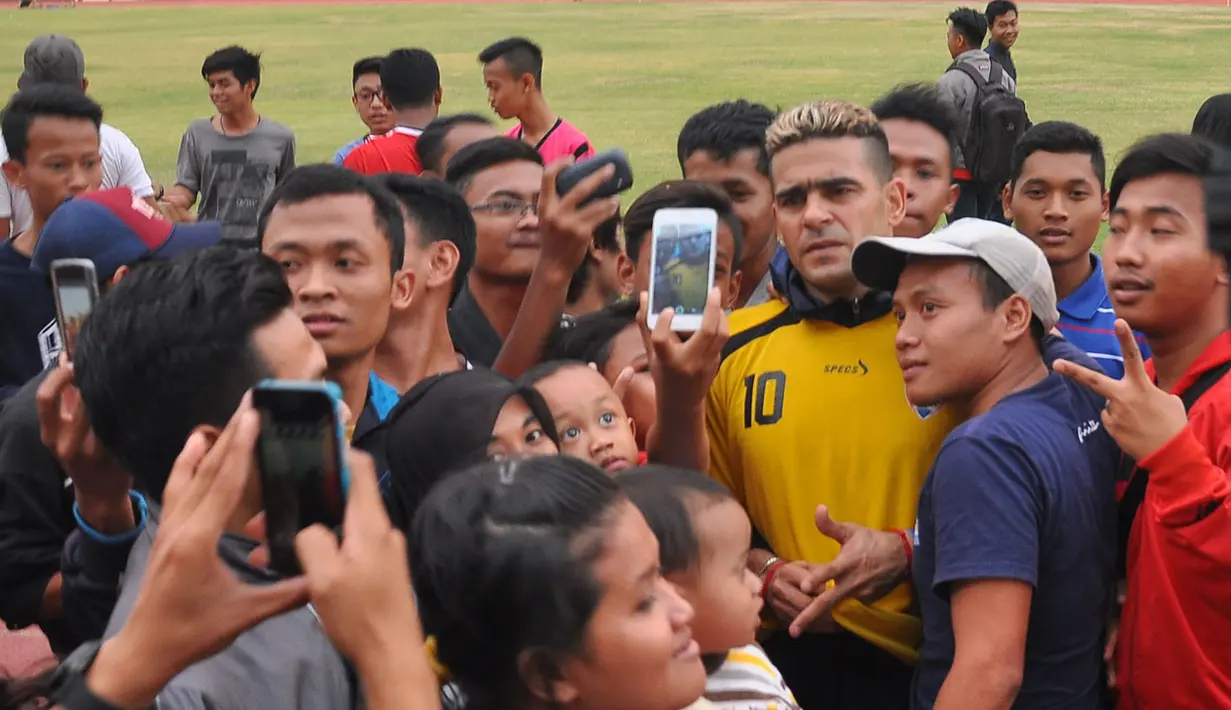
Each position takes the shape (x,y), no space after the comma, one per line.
(809,407)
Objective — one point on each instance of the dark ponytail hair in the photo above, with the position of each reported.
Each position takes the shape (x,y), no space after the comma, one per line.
(502,568)
(670,497)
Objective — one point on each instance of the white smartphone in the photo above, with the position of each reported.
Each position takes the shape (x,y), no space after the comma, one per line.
(76,287)
(682,265)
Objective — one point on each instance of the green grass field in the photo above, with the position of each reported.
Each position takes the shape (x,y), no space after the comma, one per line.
(630,74)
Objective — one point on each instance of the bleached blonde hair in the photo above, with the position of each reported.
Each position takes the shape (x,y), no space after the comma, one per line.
(829,118)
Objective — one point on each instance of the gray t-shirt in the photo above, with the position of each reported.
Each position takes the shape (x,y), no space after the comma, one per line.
(234,175)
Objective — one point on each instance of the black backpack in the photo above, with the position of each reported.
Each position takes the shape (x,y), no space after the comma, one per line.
(997,120)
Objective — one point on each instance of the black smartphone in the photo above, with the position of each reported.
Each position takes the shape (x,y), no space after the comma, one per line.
(75,284)
(302,464)
(614,185)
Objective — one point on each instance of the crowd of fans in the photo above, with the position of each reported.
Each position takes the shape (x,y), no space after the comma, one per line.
(926,449)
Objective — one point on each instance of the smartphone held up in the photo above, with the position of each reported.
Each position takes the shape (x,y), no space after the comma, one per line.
(684,246)
(301,457)
(620,180)
(75,284)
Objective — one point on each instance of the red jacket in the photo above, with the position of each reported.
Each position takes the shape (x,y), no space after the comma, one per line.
(1174,649)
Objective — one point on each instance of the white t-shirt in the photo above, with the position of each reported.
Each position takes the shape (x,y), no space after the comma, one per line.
(122,167)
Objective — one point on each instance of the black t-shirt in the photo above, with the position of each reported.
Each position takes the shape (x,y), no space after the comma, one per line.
(29,336)
(36,516)
(473,335)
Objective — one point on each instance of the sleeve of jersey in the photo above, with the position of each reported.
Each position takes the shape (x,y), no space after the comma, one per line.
(724,460)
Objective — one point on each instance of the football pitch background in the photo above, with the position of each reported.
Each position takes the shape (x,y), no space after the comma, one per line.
(627,73)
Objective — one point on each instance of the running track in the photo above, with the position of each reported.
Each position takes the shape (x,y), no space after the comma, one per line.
(24,652)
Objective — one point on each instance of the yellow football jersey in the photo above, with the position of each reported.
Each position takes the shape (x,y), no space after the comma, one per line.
(810,412)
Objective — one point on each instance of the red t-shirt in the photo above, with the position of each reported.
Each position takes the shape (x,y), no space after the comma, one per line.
(1174,648)
(394,152)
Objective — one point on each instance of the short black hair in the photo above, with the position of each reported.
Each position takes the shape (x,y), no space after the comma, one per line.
(477,157)
(924,104)
(546,369)
(971,24)
(724,129)
(441,215)
(520,55)
(170,349)
(409,78)
(1161,154)
(639,219)
(1059,137)
(668,498)
(996,8)
(308,182)
(588,337)
(43,100)
(365,66)
(245,65)
(431,145)
(606,238)
(1213,120)
(996,291)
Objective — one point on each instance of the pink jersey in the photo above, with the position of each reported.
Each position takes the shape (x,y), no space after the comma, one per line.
(562,140)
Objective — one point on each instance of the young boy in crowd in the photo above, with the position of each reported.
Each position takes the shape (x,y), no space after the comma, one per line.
(590,419)
(52,134)
(411,91)
(1013,546)
(605,274)
(610,340)
(922,128)
(340,239)
(1175,517)
(369,103)
(56,59)
(234,159)
(1057,197)
(446,135)
(513,74)
(724,146)
(440,247)
(639,225)
(703,538)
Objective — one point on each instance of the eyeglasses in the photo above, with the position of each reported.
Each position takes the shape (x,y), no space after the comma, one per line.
(367,96)
(508,208)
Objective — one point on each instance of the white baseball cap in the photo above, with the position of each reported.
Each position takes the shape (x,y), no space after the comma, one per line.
(879,261)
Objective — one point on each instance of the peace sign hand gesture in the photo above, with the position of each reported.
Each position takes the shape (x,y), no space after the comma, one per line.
(1139,416)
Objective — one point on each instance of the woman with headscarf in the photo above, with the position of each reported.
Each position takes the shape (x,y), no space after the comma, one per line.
(453,420)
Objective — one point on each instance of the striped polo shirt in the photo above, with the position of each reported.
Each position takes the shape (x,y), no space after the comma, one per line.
(1088,321)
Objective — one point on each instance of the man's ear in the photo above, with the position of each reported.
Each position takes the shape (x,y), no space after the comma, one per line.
(1006,202)
(732,295)
(443,262)
(1106,217)
(403,289)
(1017,315)
(626,270)
(895,196)
(14,173)
(542,676)
(440,95)
(954,191)
(85,83)
(119,274)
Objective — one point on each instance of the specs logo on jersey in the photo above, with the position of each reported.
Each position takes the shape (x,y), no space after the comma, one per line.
(859,369)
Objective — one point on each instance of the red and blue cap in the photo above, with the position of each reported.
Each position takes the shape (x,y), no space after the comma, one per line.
(115,228)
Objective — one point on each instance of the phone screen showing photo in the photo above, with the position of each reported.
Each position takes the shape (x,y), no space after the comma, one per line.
(76,301)
(682,267)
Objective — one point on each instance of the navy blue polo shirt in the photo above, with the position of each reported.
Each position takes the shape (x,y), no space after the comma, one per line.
(1088,321)
(1024,492)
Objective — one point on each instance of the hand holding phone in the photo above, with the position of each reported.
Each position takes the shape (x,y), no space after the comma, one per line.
(301,454)
(684,246)
(573,201)
(75,284)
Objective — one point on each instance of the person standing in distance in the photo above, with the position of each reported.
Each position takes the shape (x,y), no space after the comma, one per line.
(513,74)
(234,159)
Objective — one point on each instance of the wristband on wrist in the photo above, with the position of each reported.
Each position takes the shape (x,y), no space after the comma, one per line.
(906,545)
(765,567)
(769,576)
(143,514)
